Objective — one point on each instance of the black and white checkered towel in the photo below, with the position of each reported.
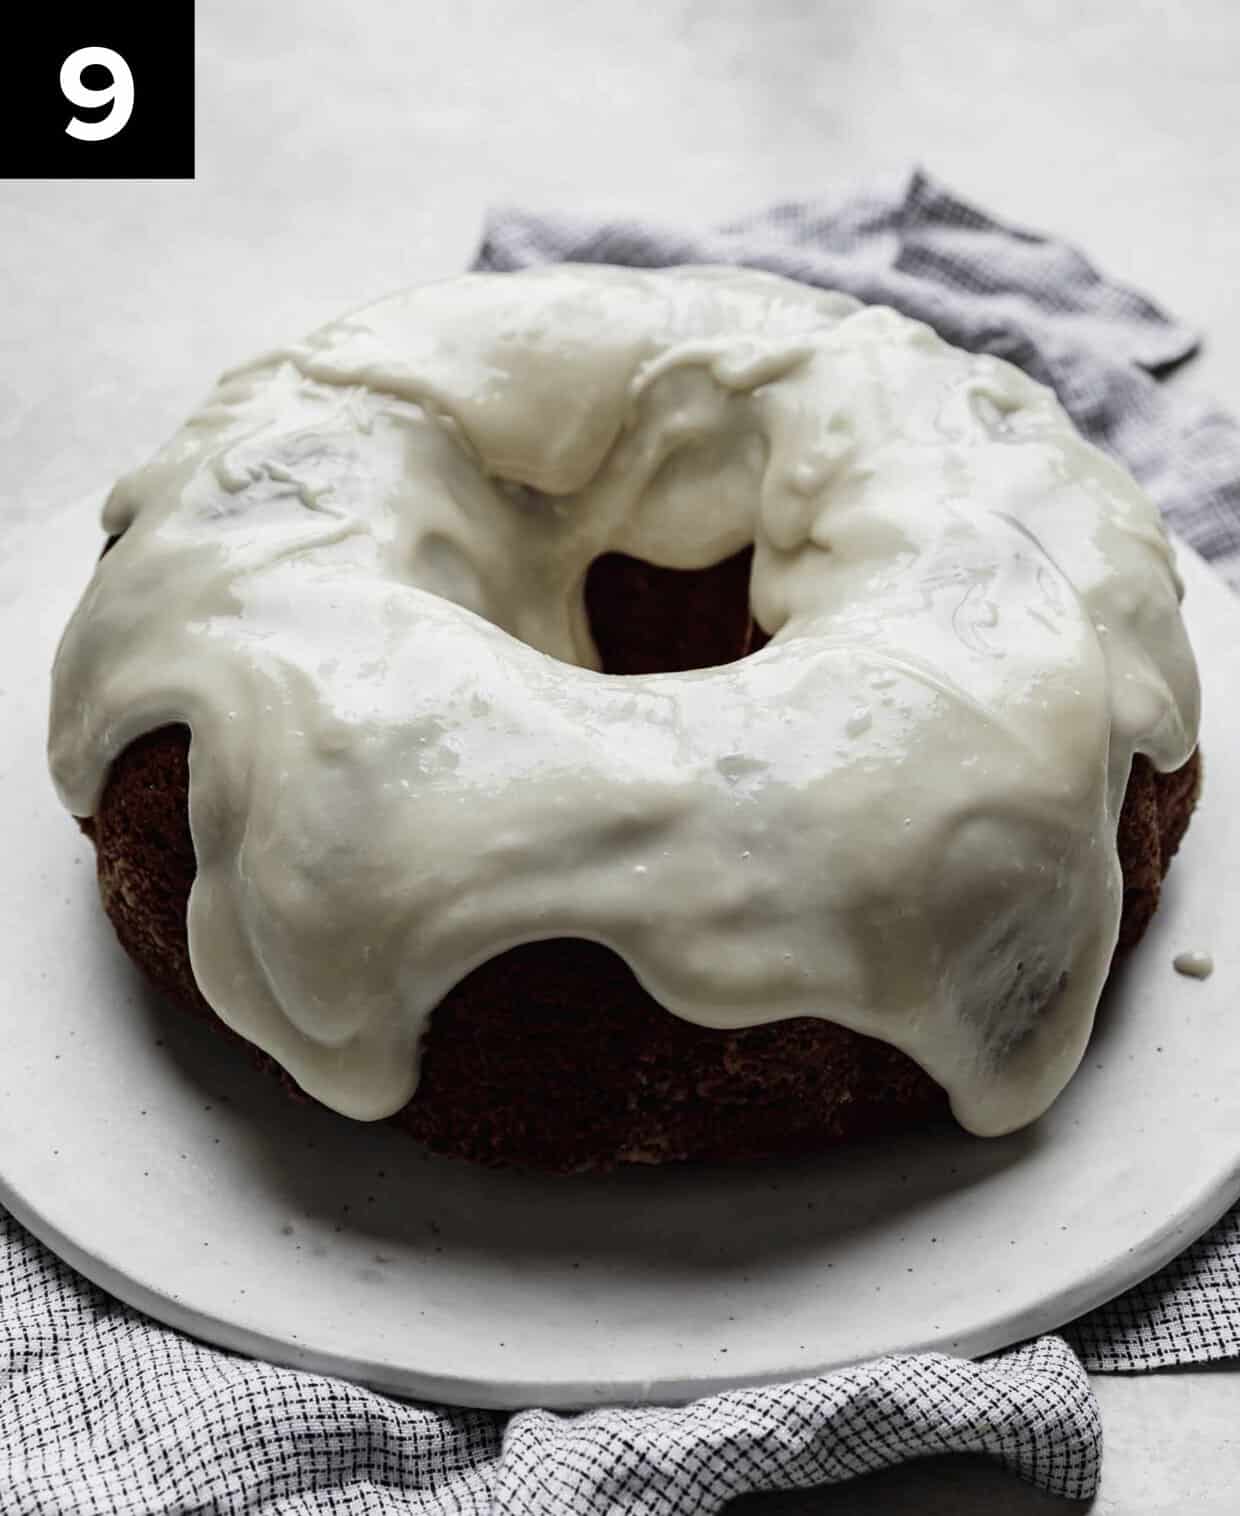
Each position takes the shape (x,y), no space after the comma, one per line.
(104,1412)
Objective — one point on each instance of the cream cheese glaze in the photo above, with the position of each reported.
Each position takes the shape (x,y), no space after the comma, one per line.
(357,575)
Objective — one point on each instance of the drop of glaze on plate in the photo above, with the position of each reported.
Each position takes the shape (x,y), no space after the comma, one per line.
(1194,965)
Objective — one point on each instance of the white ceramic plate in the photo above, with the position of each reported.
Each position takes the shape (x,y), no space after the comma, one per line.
(145,1151)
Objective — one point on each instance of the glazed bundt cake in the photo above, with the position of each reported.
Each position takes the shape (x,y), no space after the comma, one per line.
(634,717)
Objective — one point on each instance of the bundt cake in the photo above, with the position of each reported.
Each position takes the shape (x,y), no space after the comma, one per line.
(635,716)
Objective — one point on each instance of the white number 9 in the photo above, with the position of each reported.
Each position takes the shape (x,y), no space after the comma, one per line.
(119,93)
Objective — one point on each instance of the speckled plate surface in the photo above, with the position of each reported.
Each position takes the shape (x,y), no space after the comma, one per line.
(147,1153)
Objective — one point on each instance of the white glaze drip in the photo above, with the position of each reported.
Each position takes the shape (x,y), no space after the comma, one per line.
(357,574)
(1193,965)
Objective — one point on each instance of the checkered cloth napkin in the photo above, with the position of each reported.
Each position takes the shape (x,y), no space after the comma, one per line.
(103,1411)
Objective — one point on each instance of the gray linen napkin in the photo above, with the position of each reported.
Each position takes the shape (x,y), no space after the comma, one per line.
(103,1411)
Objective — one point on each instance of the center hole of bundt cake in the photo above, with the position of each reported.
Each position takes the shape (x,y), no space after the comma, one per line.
(651,620)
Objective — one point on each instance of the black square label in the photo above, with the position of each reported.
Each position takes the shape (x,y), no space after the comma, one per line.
(100,91)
